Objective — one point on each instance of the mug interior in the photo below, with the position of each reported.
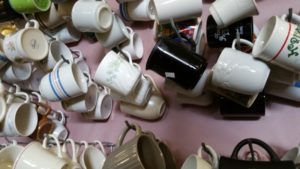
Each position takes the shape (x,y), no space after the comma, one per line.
(42,5)
(263,39)
(26,119)
(93,158)
(149,153)
(106,106)
(9,155)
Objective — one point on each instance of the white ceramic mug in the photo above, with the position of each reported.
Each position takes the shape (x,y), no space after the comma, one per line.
(140,96)
(117,74)
(83,103)
(92,157)
(278,42)
(17,72)
(115,36)
(92,16)
(234,69)
(134,46)
(68,34)
(51,19)
(9,154)
(103,108)
(63,83)
(28,44)
(176,9)
(21,118)
(140,10)
(222,12)
(57,49)
(36,154)
(197,161)
(60,131)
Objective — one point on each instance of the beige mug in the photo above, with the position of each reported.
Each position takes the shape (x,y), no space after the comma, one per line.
(141,152)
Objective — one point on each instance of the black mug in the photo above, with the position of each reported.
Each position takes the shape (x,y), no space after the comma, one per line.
(223,37)
(6,12)
(176,62)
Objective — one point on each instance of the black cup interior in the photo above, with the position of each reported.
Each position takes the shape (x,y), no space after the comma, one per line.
(176,62)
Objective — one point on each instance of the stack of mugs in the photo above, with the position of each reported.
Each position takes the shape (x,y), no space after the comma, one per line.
(51,154)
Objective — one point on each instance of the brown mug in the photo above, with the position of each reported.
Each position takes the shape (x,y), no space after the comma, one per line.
(141,152)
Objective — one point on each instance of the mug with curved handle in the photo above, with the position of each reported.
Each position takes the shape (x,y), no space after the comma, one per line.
(9,154)
(142,151)
(72,159)
(91,157)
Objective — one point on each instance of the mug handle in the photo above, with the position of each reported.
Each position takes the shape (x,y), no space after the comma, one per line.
(73,146)
(45,142)
(27,98)
(36,24)
(100,145)
(138,132)
(84,144)
(242,41)
(155,88)
(78,53)
(295,18)
(63,117)
(127,55)
(129,30)
(212,155)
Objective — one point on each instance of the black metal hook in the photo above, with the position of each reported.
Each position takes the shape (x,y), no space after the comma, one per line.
(290,15)
(64,59)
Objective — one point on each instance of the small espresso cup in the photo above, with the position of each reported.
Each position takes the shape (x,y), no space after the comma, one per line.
(138,10)
(30,6)
(278,42)
(92,16)
(221,11)
(9,155)
(50,19)
(38,155)
(28,44)
(92,157)
(115,36)
(134,46)
(133,150)
(21,118)
(176,9)
(103,108)
(234,69)
(57,50)
(175,62)
(223,37)
(117,73)
(64,82)
(17,72)
(197,161)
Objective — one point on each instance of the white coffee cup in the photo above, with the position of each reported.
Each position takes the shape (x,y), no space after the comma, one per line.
(278,43)
(35,154)
(28,44)
(51,19)
(153,110)
(57,49)
(134,46)
(117,74)
(83,103)
(92,16)
(177,10)
(197,161)
(92,157)
(17,72)
(140,10)
(140,96)
(103,108)
(21,118)
(205,99)
(72,158)
(115,36)
(9,154)
(63,83)
(60,131)
(221,11)
(68,34)
(234,69)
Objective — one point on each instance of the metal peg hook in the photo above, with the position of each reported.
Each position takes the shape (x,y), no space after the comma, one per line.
(238,40)
(290,15)
(130,126)
(64,59)
(206,150)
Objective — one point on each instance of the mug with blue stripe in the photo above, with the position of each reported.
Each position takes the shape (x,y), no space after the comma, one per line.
(64,82)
